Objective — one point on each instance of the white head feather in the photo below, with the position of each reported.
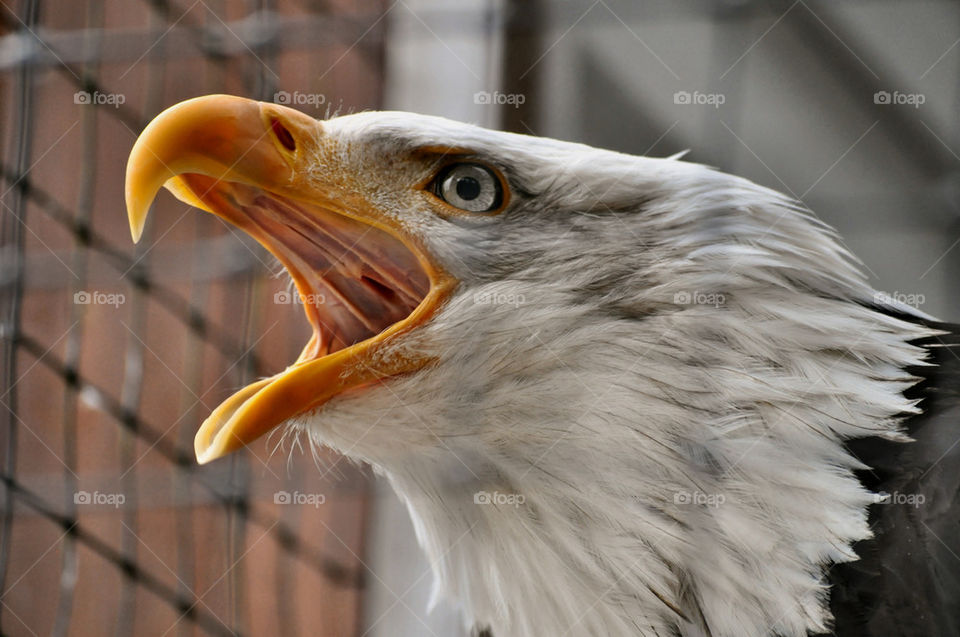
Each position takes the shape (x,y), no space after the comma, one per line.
(660,363)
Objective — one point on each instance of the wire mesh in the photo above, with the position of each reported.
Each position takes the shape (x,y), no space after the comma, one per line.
(112,354)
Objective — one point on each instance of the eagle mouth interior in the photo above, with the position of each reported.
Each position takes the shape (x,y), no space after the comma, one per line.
(354,280)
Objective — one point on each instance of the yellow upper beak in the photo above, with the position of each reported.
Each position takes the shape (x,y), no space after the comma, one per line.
(231,139)
(221,136)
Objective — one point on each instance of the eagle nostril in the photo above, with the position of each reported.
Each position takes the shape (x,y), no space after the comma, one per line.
(283,135)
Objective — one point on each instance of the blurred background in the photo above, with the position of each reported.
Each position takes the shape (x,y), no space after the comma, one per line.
(114,353)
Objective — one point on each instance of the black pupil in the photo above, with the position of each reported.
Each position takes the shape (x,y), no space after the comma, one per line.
(468,188)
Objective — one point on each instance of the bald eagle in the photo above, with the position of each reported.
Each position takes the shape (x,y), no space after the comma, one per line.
(620,396)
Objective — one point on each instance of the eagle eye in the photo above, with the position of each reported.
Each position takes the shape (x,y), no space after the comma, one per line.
(469,186)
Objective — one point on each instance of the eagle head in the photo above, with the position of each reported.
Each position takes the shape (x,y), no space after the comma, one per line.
(612,390)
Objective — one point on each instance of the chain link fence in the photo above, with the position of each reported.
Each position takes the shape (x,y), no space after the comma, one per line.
(114,353)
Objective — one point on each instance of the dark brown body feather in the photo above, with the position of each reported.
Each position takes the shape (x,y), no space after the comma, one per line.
(907,580)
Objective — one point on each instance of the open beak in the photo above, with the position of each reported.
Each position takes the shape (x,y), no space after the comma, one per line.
(363,280)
